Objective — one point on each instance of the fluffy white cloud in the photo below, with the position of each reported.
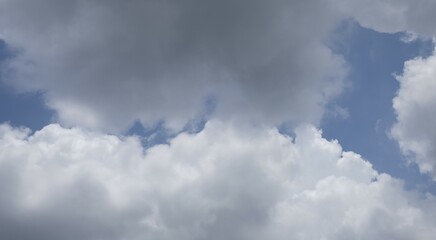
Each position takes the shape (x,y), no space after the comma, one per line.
(414,104)
(226,182)
(105,64)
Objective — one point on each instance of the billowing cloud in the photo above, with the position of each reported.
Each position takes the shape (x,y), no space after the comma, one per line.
(414,105)
(226,182)
(106,64)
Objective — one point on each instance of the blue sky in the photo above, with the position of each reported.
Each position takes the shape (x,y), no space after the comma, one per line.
(26,109)
(375,58)
(206,119)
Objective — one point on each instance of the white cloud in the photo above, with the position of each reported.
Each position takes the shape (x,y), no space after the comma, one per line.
(414,105)
(105,64)
(226,182)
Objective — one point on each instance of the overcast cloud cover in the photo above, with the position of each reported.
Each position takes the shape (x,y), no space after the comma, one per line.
(250,66)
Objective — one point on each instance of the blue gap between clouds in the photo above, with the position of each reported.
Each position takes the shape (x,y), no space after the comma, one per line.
(21,109)
(374,58)
(158,134)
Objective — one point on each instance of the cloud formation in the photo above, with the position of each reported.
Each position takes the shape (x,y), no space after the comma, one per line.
(225,182)
(414,105)
(105,64)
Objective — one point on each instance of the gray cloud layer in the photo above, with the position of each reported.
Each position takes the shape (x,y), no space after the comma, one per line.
(225,182)
(393,15)
(105,64)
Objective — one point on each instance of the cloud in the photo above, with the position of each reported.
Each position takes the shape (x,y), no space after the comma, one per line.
(414,105)
(392,15)
(226,182)
(104,65)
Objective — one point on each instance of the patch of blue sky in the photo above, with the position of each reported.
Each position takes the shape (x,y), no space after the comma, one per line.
(21,109)
(374,58)
(159,134)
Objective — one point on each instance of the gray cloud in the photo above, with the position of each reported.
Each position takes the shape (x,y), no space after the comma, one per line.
(106,64)
(393,15)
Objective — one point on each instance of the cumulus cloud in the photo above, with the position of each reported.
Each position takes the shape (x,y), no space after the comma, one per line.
(106,64)
(414,105)
(226,182)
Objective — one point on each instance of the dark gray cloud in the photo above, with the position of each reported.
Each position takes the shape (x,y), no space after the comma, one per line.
(105,64)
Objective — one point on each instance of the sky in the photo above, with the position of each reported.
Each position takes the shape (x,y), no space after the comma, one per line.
(205,119)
